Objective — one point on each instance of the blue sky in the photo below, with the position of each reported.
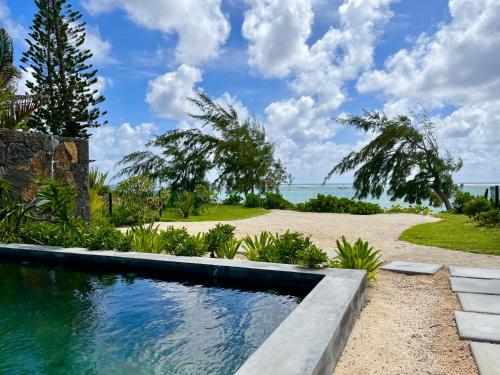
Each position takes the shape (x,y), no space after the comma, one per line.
(295,65)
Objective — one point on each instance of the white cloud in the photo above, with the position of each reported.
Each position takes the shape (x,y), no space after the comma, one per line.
(101,49)
(167,94)
(201,26)
(102,84)
(15,29)
(109,144)
(25,77)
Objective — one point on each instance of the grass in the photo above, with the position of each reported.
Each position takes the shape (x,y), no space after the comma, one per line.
(216,213)
(456,232)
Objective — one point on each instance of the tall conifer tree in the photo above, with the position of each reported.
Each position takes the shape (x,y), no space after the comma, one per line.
(61,73)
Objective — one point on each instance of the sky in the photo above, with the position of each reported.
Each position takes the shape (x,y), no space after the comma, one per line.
(295,65)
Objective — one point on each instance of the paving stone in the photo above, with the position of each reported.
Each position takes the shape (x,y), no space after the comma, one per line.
(413,268)
(481,286)
(476,273)
(478,327)
(487,357)
(483,303)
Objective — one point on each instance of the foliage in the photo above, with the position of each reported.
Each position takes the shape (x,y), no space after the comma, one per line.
(253,200)
(107,237)
(97,187)
(418,209)
(456,232)
(14,109)
(180,242)
(404,155)
(228,249)
(216,213)
(477,205)
(332,204)
(276,201)
(61,72)
(137,188)
(312,257)
(258,245)
(218,236)
(489,218)
(232,200)
(359,256)
(461,198)
(146,239)
(185,202)
(204,196)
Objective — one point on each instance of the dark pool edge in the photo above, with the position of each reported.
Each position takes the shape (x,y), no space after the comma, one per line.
(309,341)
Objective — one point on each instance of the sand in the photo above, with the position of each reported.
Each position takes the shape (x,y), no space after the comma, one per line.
(382,232)
(407,327)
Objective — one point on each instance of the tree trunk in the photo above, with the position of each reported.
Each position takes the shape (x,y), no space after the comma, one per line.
(443,198)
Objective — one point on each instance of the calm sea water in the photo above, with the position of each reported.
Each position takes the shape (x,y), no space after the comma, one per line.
(301,193)
(57,321)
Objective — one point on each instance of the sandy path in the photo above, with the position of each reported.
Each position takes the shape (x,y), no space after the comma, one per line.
(407,327)
(382,231)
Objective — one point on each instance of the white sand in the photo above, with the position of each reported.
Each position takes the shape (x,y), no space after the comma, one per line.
(382,232)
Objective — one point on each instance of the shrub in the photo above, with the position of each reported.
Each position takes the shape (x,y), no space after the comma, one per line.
(489,218)
(253,200)
(258,245)
(204,196)
(477,205)
(146,239)
(276,201)
(332,204)
(107,237)
(185,202)
(180,242)
(232,200)
(228,249)
(358,256)
(218,236)
(312,257)
(137,188)
(126,214)
(418,209)
(460,199)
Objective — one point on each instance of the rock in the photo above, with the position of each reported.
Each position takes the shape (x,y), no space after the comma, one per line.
(72,151)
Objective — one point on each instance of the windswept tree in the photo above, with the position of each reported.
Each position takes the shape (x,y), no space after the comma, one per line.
(14,109)
(237,149)
(61,72)
(403,158)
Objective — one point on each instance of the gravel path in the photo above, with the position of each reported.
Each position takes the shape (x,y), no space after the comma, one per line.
(382,231)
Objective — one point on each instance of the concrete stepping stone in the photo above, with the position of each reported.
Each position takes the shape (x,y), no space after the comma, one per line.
(412,268)
(487,357)
(483,303)
(481,286)
(478,327)
(476,273)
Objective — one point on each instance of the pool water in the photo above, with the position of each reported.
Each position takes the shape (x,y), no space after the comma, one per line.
(54,320)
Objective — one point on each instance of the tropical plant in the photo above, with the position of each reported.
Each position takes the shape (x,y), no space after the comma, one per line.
(418,209)
(258,245)
(332,204)
(185,202)
(276,201)
(14,109)
(477,205)
(228,249)
(359,256)
(147,239)
(232,200)
(61,72)
(489,218)
(312,257)
(97,183)
(460,199)
(404,155)
(253,200)
(218,236)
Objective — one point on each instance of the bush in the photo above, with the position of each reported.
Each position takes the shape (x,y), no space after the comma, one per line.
(477,205)
(460,199)
(489,218)
(258,245)
(312,257)
(358,256)
(228,249)
(107,237)
(126,214)
(276,201)
(253,200)
(146,239)
(218,236)
(185,202)
(180,242)
(232,200)
(332,204)
(418,209)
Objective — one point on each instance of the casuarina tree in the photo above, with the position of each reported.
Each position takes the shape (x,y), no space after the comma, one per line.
(62,74)
(402,157)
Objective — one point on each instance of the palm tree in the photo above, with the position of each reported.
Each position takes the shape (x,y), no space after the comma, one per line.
(14,109)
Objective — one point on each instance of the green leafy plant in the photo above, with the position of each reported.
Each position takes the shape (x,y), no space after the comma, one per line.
(258,245)
(418,209)
(358,256)
(477,205)
(312,257)
(228,249)
(180,242)
(185,202)
(146,239)
(218,236)
(460,199)
(332,204)
(97,183)
(276,201)
(232,200)
(489,218)
(253,200)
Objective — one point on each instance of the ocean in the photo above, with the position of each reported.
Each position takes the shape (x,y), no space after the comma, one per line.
(297,193)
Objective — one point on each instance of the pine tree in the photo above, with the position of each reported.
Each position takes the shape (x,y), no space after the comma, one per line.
(61,73)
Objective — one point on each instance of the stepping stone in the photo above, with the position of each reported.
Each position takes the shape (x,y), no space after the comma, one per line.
(487,357)
(481,286)
(413,268)
(483,303)
(476,273)
(478,327)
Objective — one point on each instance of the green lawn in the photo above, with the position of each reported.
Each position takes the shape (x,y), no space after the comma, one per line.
(456,232)
(217,213)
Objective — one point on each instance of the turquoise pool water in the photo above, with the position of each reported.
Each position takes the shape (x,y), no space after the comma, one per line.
(59,321)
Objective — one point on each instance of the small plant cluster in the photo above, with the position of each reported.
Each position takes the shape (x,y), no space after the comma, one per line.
(270,200)
(478,208)
(332,204)
(417,209)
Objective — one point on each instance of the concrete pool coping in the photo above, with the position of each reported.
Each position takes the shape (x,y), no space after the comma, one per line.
(309,341)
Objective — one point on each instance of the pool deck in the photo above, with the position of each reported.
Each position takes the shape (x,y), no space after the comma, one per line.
(309,341)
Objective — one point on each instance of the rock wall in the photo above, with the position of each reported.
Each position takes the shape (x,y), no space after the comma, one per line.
(24,157)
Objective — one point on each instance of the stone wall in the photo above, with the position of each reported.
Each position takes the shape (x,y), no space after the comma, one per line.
(24,157)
